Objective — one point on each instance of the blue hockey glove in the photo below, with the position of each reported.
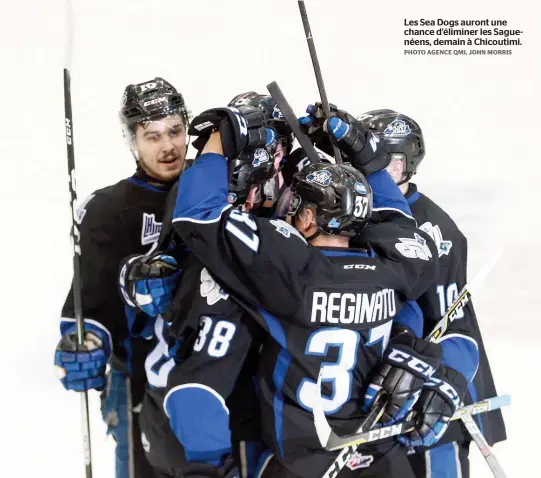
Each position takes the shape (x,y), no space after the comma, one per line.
(82,367)
(149,282)
(440,399)
(408,362)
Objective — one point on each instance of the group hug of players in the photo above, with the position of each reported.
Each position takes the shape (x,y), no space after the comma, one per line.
(221,291)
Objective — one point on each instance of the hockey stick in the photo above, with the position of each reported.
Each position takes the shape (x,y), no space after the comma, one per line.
(75,234)
(293,122)
(336,442)
(323,428)
(317,71)
(129,406)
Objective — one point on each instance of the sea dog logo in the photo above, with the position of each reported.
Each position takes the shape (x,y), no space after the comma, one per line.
(260,156)
(397,128)
(323,177)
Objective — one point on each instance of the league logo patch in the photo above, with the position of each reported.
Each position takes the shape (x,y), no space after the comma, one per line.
(414,247)
(334,223)
(358,460)
(323,177)
(260,156)
(397,128)
(444,247)
(209,289)
(151,229)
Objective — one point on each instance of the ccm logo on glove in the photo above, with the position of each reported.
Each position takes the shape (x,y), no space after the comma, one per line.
(446,388)
(412,363)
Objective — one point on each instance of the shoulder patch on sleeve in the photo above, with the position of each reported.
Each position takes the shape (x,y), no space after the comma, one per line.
(210,289)
(444,247)
(414,247)
(286,229)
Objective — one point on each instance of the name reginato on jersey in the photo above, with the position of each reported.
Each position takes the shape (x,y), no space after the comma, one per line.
(348,307)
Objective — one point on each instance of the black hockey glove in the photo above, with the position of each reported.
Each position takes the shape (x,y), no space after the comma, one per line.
(359,145)
(149,282)
(440,399)
(312,125)
(408,362)
(239,128)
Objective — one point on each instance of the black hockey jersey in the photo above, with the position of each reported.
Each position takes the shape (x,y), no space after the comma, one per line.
(453,251)
(329,309)
(201,399)
(115,222)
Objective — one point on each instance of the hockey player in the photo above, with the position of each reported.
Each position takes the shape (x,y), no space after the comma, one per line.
(402,138)
(321,304)
(117,221)
(193,436)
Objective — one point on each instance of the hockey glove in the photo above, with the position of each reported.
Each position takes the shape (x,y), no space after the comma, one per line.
(82,367)
(440,398)
(148,283)
(239,128)
(408,362)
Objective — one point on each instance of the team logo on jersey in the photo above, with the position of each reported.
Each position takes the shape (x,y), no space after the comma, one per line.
(210,289)
(286,229)
(323,177)
(151,229)
(81,211)
(260,156)
(444,247)
(414,247)
(397,128)
(358,460)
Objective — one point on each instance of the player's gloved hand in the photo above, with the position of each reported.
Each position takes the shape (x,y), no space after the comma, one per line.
(148,283)
(202,470)
(82,367)
(239,128)
(440,399)
(312,125)
(408,362)
(359,145)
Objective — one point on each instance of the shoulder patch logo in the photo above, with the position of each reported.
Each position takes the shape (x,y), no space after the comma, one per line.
(286,229)
(414,247)
(444,247)
(210,289)
(151,229)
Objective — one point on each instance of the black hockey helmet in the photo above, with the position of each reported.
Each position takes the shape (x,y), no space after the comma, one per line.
(340,194)
(399,135)
(252,167)
(273,116)
(148,101)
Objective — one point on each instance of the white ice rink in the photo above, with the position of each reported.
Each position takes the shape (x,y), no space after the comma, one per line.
(479,116)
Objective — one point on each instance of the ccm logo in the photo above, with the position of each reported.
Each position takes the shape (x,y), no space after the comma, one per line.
(413,363)
(360,266)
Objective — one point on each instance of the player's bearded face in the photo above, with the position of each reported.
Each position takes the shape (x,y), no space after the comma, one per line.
(161,147)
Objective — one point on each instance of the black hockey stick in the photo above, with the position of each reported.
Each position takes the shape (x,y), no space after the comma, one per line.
(293,122)
(317,71)
(75,235)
